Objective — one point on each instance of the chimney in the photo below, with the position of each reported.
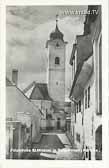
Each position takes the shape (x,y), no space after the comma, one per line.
(15,76)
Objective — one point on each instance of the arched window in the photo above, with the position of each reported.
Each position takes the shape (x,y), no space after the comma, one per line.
(57,60)
(57,44)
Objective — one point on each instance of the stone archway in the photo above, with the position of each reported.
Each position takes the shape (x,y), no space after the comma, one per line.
(98,143)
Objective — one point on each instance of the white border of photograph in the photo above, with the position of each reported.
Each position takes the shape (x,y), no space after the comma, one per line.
(61,163)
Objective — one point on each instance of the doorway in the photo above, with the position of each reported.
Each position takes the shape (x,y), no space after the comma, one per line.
(98,140)
(58,123)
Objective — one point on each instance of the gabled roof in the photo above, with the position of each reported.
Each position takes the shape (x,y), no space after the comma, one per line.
(17,102)
(37,91)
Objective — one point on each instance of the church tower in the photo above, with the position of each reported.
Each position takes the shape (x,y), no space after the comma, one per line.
(56,65)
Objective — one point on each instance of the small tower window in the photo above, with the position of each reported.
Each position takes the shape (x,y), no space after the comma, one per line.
(57,44)
(57,60)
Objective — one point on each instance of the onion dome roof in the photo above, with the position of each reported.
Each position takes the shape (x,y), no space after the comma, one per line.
(56,34)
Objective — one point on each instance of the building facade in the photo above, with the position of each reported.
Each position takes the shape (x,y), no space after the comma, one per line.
(38,94)
(22,121)
(86,91)
(52,113)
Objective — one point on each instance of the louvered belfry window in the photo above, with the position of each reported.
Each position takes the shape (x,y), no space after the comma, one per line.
(57,60)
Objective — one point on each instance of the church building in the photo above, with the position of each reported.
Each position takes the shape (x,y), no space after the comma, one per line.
(50,97)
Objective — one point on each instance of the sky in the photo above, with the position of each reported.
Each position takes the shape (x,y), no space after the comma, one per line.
(28,28)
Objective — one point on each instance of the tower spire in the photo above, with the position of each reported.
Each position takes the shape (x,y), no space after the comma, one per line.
(56,34)
(57,19)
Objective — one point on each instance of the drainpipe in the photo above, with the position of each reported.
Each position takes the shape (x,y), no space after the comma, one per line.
(83,128)
(75,102)
(31,134)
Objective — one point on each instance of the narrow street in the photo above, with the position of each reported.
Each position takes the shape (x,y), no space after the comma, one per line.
(49,142)
(52,146)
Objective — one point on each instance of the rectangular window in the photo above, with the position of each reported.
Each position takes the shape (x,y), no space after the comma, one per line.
(78,137)
(57,60)
(75,117)
(85,99)
(75,113)
(89,96)
(75,61)
(27,130)
(79,105)
(82,120)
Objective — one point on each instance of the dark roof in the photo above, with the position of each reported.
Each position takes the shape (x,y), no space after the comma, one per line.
(79,67)
(40,92)
(90,18)
(56,34)
(81,58)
